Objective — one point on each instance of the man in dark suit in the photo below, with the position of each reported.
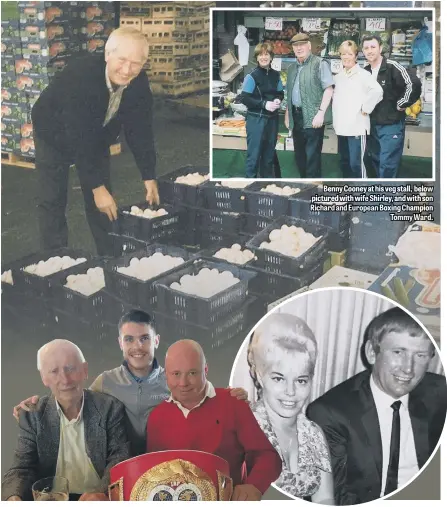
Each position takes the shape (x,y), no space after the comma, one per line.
(76,119)
(74,433)
(383,425)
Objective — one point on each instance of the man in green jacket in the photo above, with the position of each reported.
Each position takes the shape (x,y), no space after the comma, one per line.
(309,93)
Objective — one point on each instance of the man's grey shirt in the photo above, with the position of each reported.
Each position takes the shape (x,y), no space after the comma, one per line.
(325,76)
(139,396)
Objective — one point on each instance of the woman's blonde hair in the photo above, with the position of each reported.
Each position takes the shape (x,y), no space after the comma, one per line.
(126,32)
(285,331)
(349,44)
(264,47)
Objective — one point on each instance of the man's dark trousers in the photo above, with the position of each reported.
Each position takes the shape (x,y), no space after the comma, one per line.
(307,144)
(385,147)
(52,168)
(262,134)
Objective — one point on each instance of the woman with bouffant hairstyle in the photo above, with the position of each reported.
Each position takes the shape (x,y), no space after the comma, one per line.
(281,357)
(262,93)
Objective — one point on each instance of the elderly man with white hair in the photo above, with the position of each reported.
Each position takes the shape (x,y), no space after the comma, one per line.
(76,119)
(73,433)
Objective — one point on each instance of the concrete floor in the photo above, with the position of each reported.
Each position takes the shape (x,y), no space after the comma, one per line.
(182,137)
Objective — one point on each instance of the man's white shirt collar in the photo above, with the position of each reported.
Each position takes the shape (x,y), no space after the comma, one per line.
(384,400)
(210,392)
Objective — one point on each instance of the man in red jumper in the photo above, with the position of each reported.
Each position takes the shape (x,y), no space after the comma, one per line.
(199,417)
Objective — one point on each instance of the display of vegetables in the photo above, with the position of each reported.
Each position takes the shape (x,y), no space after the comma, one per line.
(235,254)
(193,179)
(7,277)
(87,283)
(206,284)
(53,265)
(289,240)
(149,267)
(286,190)
(147,213)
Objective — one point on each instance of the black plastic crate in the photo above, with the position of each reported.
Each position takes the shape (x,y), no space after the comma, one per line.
(209,238)
(133,290)
(75,303)
(198,310)
(255,223)
(123,245)
(189,218)
(147,229)
(273,286)
(38,286)
(93,331)
(223,221)
(223,198)
(266,204)
(227,243)
(299,207)
(283,264)
(224,329)
(179,193)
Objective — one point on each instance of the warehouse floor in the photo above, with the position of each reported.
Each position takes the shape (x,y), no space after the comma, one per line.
(182,137)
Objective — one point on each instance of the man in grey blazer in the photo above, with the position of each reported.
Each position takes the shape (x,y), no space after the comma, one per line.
(74,433)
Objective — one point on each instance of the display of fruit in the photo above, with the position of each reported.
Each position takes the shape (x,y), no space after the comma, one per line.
(414,110)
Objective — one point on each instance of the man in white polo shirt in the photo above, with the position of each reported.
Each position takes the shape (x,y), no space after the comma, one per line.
(74,433)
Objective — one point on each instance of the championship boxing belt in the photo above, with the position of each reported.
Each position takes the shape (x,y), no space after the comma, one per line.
(170,476)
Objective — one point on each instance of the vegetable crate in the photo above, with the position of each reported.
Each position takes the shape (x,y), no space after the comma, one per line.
(72,326)
(180,193)
(208,336)
(75,303)
(124,244)
(266,204)
(255,223)
(272,286)
(41,286)
(198,310)
(224,198)
(133,290)
(147,229)
(283,264)
(223,221)
(227,243)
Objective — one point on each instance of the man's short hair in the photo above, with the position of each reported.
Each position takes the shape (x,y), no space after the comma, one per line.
(126,32)
(61,342)
(373,36)
(394,320)
(137,317)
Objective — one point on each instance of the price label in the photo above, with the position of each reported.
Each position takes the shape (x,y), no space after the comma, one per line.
(311,24)
(276,64)
(336,66)
(273,24)
(375,24)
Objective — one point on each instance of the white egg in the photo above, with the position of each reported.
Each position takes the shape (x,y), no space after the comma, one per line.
(275,235)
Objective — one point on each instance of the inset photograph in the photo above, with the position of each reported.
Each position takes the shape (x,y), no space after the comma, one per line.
(350,390)
(323,94)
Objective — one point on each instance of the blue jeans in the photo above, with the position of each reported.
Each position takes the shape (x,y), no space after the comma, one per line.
(385,148)
(351,150)
(262,134)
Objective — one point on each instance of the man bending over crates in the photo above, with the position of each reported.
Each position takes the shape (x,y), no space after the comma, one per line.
(76,119)
(139,382)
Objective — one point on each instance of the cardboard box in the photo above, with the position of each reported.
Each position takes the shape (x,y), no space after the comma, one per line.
(32,32)
(32,83)
(339,276)
(95,29)
(97,11)
(27,147)
(34,66)
(9,144)
(11,128)
(12,114)
(418,290)
(9,79)
(11,95)
(8,63)
(10,30)
(10,47)
(96,45)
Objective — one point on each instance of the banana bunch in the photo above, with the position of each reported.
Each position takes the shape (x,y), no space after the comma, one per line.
(414,110)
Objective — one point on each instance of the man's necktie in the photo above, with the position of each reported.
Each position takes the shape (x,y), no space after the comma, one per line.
(393,466)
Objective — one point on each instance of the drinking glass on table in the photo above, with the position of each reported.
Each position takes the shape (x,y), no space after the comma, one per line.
(51,489)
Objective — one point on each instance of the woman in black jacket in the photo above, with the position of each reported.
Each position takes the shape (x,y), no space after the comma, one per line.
(262,93)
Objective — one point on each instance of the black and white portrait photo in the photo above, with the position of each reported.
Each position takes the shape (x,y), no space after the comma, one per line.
(350,390)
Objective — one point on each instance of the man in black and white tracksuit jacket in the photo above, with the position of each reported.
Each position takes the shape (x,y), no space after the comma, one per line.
(401,89)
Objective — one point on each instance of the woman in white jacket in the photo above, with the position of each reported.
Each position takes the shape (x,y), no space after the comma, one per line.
(356,95)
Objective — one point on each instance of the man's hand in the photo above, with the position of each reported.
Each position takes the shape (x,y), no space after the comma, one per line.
(272,106)
(318,121)
(400,108)
(98,497)
(152,196)
(239,393)
(286,119)
(246,493)
(105,202)
(28,405)
(14,498)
